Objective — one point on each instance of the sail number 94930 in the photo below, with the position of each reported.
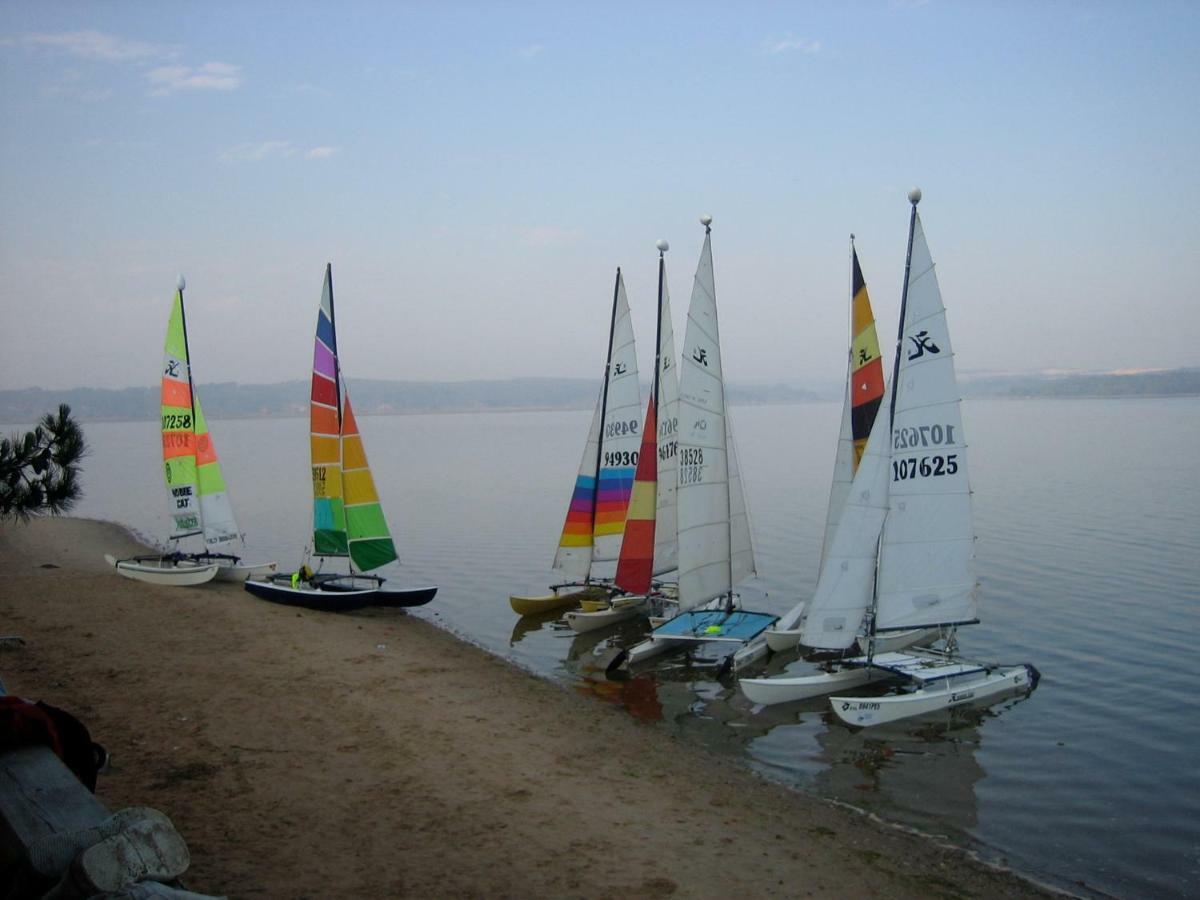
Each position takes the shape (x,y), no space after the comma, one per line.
(924,467)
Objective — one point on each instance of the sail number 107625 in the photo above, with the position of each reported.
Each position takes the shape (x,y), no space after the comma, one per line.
(924,467)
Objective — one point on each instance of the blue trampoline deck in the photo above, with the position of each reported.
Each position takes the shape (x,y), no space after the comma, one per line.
(738,626)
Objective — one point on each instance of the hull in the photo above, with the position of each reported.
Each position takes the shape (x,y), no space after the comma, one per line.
(404,598)
(311,598)
(569,596)
(582,621)
(164,571)
(786,689)
(780,641)
(241,573)
(933,697)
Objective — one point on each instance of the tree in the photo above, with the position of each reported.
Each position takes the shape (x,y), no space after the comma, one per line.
(39,473)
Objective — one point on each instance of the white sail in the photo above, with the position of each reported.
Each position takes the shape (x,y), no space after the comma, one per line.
(573,560)
(741,545)
(843,472)
(705,565)
(622,436)
(666,534)
(926,561)
(845,585)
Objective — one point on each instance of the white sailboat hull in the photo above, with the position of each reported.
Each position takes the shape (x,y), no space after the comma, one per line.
(164,571)
(786,689)
(782,640)
(622,609)
(238,573)
(933,696)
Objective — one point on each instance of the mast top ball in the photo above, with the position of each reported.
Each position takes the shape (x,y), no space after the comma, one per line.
(662,245)
(914,196)
(706,221)
(181,283)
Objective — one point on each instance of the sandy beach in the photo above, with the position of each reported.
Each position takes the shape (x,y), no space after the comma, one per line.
(304,754)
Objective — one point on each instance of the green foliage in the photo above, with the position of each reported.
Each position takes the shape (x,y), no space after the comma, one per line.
(39,472)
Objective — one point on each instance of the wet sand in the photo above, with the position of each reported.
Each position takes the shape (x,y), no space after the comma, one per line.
(306,754)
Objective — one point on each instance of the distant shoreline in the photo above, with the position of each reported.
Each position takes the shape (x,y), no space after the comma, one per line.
(229,400)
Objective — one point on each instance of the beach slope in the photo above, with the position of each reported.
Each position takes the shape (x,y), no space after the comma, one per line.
(304,754)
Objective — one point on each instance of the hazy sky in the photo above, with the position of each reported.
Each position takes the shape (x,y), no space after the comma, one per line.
(476,171)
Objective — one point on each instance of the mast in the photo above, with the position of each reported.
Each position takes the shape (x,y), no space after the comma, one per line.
(337,363)
(663,247)
(706,221)
(914,197)
(337,393)
(187,353)
(612,327)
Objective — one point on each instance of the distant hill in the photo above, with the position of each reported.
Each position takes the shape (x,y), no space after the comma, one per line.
(371,397)
(378,397)
(1155,383)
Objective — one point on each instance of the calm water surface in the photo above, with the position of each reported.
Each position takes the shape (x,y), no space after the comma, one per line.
(1088,517)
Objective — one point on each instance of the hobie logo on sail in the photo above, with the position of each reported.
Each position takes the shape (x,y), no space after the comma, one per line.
(923,344)
(701,356)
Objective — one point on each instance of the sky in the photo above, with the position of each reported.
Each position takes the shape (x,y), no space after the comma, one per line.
(475,172)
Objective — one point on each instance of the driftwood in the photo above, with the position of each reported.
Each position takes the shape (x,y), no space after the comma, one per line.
(39,796)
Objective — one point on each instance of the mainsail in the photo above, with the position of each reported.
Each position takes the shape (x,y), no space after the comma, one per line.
(199,503)
(905,539)
(636,566)
(595,522)
(666,534)
(926,557)
(709,563)
(347,516)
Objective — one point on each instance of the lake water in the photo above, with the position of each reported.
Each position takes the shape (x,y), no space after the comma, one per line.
(1088,517)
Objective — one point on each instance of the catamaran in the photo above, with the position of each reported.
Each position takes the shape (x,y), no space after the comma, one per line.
(902,556)
(715,549)
(650,547)
(199,502)
(595,520)
(348,520)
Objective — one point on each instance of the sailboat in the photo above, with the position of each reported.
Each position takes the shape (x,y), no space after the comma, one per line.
(348,518)
(650,547)
(902,556)
(199,502)
(595,522)
(715,549)
(860,403)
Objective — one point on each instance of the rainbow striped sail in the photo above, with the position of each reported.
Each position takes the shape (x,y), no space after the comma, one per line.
(199,503)
(347,516)
(595,523)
